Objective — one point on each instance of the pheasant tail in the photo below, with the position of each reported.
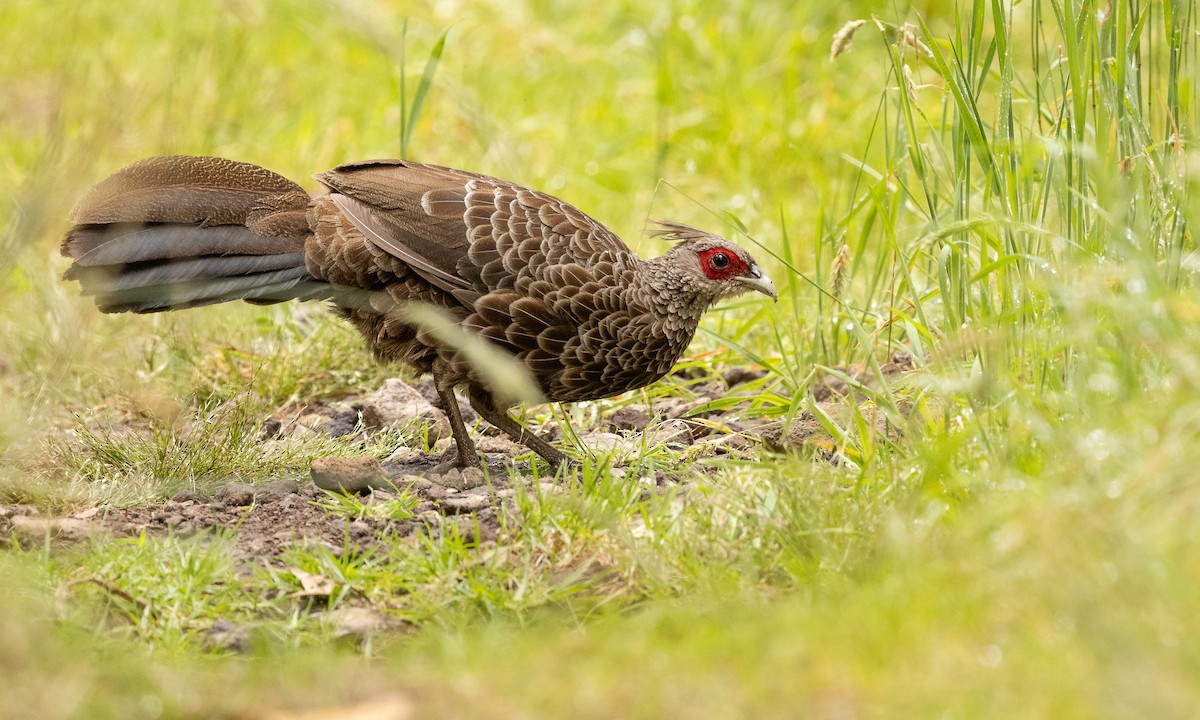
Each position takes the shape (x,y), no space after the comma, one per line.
(177,232)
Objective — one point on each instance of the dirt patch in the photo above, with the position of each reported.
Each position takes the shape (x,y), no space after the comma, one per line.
(407,493)
(266,520)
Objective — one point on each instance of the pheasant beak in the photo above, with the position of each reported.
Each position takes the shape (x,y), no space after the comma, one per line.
(755,279)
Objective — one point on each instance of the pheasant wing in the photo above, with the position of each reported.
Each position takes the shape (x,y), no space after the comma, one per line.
(466,233)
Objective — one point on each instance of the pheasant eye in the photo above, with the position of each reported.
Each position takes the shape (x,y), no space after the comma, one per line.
(720,261)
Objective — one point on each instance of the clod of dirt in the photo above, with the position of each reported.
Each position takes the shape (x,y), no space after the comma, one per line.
(349,475)
(397,404)
(282,486)
(237,495)
(737,375)
(629,417)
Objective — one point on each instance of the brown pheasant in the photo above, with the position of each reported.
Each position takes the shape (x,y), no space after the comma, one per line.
(524,270)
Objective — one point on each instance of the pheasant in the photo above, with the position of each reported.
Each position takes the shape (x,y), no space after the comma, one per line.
(523,270)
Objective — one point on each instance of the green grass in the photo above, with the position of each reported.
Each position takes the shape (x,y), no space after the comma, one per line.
(1006,193)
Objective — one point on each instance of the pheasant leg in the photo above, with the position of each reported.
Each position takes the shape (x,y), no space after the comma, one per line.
(517,431)
(467,456)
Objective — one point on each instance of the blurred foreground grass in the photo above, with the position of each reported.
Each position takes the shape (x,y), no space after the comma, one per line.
(1005,194)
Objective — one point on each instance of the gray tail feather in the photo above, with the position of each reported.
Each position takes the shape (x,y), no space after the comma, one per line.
(152,267)
(176,232)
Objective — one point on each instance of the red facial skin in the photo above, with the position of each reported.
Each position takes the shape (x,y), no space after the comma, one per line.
(709,264)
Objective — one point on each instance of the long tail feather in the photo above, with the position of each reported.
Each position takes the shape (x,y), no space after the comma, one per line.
(178,232)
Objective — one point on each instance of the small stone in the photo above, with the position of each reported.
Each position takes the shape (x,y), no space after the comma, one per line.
(404,455)
(461,479)
(672,431)
(272,428)
(343,422)
(461,504)
(398,404)
(496,445)
(349,475)
(608,442)
(434,491)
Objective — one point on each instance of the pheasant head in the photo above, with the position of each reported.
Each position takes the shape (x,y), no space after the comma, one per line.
(702,269)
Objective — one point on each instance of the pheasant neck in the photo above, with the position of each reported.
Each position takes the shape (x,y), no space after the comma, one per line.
(674,298)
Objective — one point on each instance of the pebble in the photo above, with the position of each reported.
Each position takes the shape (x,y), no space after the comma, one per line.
(349,475)
(461,504)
